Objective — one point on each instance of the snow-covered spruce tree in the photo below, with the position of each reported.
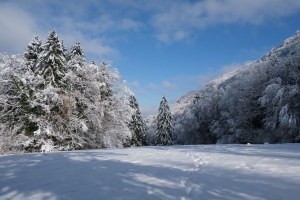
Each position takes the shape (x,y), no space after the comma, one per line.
(51,63)
(93,62)
(33,50)
(65,50)
(107,88)
(137,124)
(164,131)
(76,55)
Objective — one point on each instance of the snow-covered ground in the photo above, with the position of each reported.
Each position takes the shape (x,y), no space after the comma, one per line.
(177,172)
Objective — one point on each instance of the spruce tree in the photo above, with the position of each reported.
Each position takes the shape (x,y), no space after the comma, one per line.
(76,55)
(164,135)
(133,102)
(106,89)
(65,51)
(33,50)
(137,125)
(93,62)
(51,61)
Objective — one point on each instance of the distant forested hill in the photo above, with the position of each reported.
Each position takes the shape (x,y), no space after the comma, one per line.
(257,103)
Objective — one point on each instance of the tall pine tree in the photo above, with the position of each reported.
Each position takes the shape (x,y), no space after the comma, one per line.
(33,50)
(107,92)
(164,135)
(51,61)
(76,55)
(65,50)
(137,125)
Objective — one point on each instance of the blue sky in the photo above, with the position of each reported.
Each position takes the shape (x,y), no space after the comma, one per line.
(160,48)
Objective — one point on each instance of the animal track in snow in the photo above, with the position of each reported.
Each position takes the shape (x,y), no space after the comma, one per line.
(190,183)
(197,161)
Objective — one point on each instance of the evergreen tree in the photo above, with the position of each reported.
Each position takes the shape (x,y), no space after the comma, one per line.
(93,62)
(137,125)
(76,55)
(164,135)
(65,51)
(133,102)
(51,61)
(106,89)
(33,50)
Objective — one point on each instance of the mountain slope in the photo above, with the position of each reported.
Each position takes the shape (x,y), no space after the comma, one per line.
(256,103)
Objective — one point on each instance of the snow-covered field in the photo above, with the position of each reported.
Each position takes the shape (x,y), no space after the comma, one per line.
(177,172)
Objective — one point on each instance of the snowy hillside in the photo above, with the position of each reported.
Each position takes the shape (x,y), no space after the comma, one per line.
(178,172)
(256,103)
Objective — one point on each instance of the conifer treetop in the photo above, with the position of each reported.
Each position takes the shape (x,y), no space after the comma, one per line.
(53,52)
(51,61)
(133,102)
(93,62)
(33,50)
(76,50)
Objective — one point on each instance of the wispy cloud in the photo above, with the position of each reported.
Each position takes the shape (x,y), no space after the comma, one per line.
(20,22)
(168,85)
(135,87)
(169,20)
(17,27)
(182,17)
(130,24)
(134,84)
(152,86)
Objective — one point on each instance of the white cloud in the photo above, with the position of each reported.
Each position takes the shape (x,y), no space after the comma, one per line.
(135,87)
(106,23)
(130,24)
(152,86)
(182,17)
(172,20)
(169,85)
(134,84)
(17,29)
(20,23)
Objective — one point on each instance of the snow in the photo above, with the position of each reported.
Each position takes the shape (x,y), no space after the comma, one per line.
(84,127)
(47,147)
(176,172)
